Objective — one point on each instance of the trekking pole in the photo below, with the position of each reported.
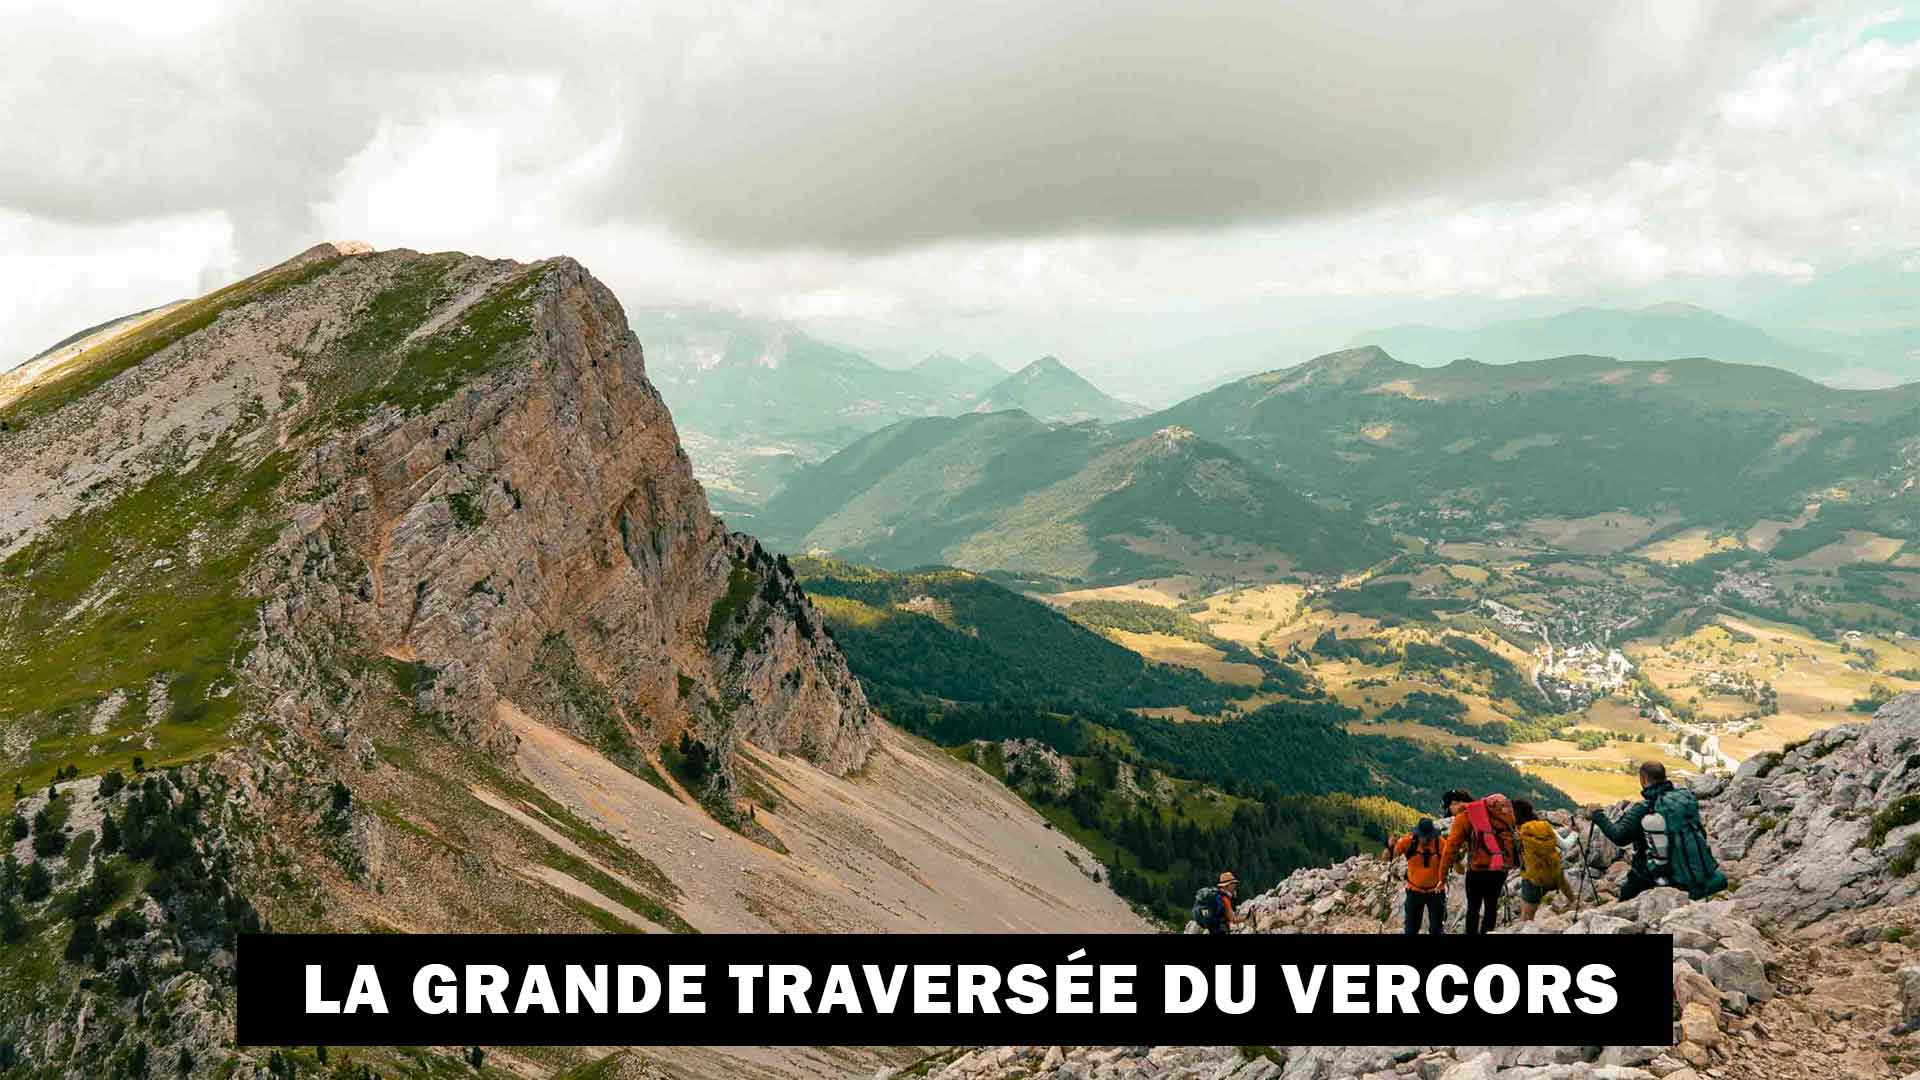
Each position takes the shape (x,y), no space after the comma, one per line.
(1586,864)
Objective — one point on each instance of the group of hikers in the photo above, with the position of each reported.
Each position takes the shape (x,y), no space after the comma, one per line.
(1496,836)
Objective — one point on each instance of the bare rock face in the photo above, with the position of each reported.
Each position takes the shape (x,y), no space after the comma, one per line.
(1818,826)
(550,503)
(465,462)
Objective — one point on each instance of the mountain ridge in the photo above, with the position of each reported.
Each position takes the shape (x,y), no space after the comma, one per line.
(1052,391)
(1573,435)
(1661,331)
(1007,491)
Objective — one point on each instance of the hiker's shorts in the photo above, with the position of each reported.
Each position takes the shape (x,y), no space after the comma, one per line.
(1532,893)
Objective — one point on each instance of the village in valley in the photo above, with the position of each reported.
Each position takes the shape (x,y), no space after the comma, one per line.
(1570,648)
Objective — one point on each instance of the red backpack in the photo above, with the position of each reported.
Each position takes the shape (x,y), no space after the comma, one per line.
(1492,822)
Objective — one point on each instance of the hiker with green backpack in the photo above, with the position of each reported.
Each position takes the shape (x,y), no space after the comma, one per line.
(1669,843)
(1213,905)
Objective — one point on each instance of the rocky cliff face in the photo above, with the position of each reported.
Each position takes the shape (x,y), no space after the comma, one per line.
(548,504)
(1802,970)
(289,574)
(375,593)
(463,462)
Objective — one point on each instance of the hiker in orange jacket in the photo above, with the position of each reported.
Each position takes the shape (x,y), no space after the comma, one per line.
(1426,876)
(1485,883)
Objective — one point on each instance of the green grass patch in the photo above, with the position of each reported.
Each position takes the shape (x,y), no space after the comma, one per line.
(1902,812)
(742,583)
(480,341)
(142,590)
(1902,864)
(606,1068)
(409,676)
(466,510)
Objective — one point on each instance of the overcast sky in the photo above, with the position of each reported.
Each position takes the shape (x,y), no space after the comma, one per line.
(1091,177)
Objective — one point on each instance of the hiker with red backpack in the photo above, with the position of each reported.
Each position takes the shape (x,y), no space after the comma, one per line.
(1670,845)
(1426,876)
(1484,829)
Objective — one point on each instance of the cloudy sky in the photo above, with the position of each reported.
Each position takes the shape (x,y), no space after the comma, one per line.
(1080,176)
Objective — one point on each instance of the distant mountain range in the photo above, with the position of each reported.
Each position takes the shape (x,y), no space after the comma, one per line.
(1659,332)
(1570,435)
(758,397)
(1007,491)
(764,380)
(1041,472)
(1277,469)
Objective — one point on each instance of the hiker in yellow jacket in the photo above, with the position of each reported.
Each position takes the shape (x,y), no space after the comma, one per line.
(1542,869)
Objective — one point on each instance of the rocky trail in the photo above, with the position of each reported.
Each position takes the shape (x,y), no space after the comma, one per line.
(1803,969)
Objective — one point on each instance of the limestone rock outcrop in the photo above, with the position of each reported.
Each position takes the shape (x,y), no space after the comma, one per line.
(547,503)
(1801,970)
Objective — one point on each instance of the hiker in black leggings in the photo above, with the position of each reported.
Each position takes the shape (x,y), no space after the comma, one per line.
(1484,889)
(1484,883)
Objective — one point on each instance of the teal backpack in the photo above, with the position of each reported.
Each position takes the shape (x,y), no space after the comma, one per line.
(1677,850)
(1206,907)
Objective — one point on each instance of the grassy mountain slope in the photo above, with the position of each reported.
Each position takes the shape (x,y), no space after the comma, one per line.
(1003,491)
(956,635)
(1572,435)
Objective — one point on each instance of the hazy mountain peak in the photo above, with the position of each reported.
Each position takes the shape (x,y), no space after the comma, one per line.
(970,374)
(1052,391)
(1679,307)
(1331,369)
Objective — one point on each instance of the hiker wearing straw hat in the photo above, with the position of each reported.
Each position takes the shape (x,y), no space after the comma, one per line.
(1213,905)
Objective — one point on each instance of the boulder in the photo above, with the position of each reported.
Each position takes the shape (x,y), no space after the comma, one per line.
(1691,986)
(1908,979)
(1478,1068)
(1694,958)
(1740,970)
(1630,1055)
(1700,1023)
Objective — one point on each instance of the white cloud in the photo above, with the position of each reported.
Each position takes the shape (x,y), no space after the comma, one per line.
(851,160)
(56,278)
